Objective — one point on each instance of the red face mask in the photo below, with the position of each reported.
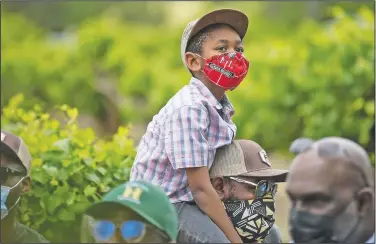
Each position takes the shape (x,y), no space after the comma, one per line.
(226,70)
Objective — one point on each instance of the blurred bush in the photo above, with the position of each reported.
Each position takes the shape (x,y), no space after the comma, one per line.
(316,81)
(71,168)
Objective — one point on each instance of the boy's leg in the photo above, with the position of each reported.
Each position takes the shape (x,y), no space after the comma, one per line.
(196,227)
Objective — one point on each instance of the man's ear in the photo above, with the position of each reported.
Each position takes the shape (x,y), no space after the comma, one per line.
(25,185)
(219,185)
(193,62)
(366,201)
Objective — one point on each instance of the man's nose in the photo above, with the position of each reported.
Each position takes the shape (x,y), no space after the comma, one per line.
(249,195)
(299,206)
(117,238)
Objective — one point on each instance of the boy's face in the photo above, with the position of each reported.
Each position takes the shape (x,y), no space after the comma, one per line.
(221,40)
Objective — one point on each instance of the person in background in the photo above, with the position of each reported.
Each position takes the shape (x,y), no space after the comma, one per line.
(15,181)
(134,212)
(331,189)
(246,183)
(180,143)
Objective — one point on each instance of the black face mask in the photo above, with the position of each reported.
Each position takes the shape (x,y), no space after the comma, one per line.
(306,227)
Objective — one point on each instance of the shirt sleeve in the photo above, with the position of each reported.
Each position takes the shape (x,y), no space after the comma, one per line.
(186,142)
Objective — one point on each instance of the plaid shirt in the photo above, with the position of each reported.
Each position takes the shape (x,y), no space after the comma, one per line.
(184,134)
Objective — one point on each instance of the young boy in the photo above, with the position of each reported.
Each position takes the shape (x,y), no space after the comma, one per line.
(180,142)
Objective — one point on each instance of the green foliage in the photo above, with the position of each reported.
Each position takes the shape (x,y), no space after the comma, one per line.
(71,168)
(318,83)
(316,80)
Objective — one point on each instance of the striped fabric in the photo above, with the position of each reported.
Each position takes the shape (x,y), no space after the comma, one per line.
(184,134)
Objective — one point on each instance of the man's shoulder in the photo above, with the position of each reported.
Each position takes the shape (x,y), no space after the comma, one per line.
(274,235)
(27,235)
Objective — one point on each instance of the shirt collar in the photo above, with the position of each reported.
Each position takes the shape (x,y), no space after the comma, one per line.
(225,102)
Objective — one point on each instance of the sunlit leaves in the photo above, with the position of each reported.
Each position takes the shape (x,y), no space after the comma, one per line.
(71,167)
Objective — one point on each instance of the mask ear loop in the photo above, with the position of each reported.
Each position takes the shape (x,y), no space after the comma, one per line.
(19,198)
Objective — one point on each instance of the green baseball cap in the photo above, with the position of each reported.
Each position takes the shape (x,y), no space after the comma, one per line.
(147,200)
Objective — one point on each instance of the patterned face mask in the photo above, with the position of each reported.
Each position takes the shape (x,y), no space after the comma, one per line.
(252,219)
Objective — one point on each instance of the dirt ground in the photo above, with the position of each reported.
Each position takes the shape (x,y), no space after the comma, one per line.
(281,201)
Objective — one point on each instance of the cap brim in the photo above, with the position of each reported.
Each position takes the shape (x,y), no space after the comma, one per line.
(277,175)
(8,151)
(231,17)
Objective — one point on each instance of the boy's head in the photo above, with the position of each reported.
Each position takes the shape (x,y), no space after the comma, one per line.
(218,32)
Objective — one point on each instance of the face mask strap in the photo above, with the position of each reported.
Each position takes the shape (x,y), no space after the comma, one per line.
(9,209)
(11,188)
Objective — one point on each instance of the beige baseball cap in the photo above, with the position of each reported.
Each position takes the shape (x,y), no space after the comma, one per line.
(231,17)
(245,158)
(14,145)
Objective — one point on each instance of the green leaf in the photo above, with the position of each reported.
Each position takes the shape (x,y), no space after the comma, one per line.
(89,190)
(102,170)
(66,215)
(38,176)
(53,155)
(71,198)
(53,203)
(51,170)
(369,107)
(93,177)
(63,144)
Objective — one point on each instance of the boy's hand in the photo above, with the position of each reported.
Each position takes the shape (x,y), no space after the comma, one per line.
(208,201)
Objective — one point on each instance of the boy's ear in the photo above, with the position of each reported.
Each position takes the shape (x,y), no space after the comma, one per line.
(193,62)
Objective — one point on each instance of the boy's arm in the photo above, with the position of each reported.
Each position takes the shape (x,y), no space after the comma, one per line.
(187,147)
(208,201)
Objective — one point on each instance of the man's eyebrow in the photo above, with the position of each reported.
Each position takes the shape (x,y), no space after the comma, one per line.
(314,195)
(309,194)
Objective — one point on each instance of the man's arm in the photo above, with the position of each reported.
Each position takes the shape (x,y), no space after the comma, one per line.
(208,201)
(187,147)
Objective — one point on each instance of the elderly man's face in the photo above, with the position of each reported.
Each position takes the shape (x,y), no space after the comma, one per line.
(327,187)
(318,186)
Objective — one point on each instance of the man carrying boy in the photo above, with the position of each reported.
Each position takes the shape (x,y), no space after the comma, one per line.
(180,143)
(245,181)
